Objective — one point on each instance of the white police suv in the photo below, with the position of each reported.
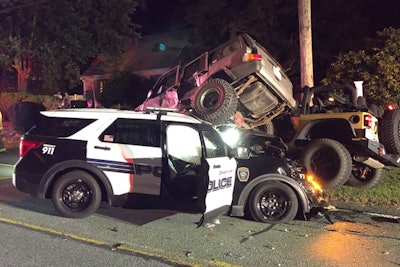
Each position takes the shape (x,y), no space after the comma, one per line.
(81,157)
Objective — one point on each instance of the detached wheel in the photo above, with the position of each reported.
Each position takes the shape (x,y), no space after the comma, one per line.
(273,202)
(389,131)
(76,194)
(363,176)
(216,101)
(329,161)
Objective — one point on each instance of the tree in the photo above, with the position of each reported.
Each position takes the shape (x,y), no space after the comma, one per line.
(377,65)
(273,23)
(52,40)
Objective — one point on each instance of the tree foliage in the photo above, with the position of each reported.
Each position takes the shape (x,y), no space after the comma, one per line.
(337,26)
(52,40)
(378,66)
(273,23)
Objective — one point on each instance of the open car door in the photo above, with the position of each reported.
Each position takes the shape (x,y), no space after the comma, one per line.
(221,177)
(200,168)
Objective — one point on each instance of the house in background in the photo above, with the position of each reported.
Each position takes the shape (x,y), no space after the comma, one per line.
(151,56)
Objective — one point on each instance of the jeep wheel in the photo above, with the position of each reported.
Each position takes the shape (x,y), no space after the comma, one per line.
(273,202)
(329,161)
(216,101)
(76,194)
(363,176)
(389,131)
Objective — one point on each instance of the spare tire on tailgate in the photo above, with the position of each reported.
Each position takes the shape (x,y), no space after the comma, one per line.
(216,101)
(389,131)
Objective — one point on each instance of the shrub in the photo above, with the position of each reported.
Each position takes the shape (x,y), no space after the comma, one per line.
(8,99)
(378,66)
(23,115)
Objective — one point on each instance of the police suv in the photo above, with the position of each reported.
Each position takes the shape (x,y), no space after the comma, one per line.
(81,157)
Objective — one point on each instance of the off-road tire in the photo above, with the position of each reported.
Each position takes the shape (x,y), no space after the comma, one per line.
(372,179)
(76,194)
(329,161)
(389,131)
(216,101)
(273,202)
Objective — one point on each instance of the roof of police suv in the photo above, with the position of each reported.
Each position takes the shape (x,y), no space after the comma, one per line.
(91,113)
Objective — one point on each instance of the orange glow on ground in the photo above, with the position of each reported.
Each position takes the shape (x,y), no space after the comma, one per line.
(346,244)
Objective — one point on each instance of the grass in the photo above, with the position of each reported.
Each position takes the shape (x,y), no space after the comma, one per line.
(386,194)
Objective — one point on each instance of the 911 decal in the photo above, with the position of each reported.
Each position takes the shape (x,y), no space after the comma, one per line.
(48,149)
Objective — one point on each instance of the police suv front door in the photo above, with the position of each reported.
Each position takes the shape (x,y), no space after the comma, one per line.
(200,168)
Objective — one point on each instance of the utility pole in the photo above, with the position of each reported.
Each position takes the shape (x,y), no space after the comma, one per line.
(305,38)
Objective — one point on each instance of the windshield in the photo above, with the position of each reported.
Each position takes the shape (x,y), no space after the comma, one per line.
(214,145)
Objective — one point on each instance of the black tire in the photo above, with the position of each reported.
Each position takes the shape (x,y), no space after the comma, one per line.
(273,202)
(329,161)
(363,176)
(216,101)
(76,194)
(389,131)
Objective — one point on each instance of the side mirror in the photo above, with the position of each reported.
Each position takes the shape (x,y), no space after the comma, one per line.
(239,153)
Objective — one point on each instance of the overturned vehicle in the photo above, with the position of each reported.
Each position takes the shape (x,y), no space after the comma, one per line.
(239,75)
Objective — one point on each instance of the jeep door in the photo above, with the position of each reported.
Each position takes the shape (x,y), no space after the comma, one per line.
(200,168)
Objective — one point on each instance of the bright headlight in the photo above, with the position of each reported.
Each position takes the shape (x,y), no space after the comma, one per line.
(230,136)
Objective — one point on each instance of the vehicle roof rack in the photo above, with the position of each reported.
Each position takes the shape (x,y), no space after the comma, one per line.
(160,109)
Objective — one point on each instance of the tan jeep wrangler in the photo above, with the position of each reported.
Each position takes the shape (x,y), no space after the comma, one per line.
(342,139)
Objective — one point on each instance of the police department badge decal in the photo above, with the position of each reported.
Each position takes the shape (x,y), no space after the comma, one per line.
(243,174)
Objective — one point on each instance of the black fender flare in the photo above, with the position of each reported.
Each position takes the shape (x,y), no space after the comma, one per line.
(310,129)
(63,166)
(238,209)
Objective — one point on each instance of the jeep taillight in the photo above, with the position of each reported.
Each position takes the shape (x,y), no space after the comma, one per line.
(389,106)
(251,57)
(26,146)
(368,121)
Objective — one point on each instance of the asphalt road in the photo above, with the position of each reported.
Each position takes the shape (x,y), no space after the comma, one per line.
(32,234)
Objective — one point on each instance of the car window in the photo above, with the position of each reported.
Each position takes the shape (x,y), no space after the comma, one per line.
(224,51)
(198,65)
(132,132)
(59,127)
(214,145)
(165,82)
(183,143)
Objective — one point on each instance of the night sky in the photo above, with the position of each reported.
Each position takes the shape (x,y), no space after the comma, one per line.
(358,19)
(378,13)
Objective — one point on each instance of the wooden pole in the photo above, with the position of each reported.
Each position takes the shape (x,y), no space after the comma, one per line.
(305,38)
